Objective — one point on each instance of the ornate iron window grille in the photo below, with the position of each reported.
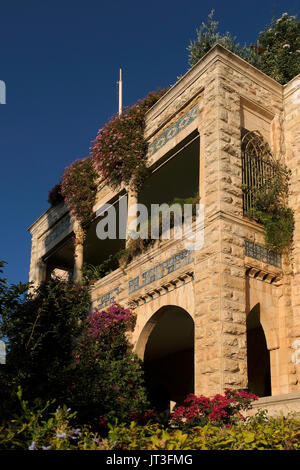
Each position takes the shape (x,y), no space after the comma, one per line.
(258,167)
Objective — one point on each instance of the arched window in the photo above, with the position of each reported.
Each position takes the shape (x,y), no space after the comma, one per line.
(258,167)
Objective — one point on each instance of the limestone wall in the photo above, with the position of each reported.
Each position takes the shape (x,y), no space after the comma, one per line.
(291,126)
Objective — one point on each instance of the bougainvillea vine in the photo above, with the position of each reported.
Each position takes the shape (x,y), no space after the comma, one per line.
(79,187)
(119,150)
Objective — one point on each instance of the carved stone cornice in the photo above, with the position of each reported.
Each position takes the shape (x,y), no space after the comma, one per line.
(164,288)
(263,272)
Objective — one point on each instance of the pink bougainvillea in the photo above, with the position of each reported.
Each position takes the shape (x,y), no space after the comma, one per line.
(221,409)
(79,187)
(104,322)
(119,150)
(118,155)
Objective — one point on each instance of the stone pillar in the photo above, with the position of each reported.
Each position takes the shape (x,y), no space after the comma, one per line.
(38,268)
(132,201)
(277,136)
(220,319)
(78,252)
(291,128)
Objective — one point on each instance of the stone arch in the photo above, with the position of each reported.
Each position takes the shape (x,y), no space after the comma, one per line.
(166,345)
(149,313)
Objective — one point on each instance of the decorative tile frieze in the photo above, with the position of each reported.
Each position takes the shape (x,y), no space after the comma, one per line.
(173,130)
(261,253)
(160,270)
(109,298)
(58,230)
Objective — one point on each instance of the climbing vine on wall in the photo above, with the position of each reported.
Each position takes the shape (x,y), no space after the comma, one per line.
(118,155)
(270,208)
(119,150)
(265,190)
(79,189)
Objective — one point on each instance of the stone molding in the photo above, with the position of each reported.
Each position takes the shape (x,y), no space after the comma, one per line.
(217,53)
(165,288)
(262,274)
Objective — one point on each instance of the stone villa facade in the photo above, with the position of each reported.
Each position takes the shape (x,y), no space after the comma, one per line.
(228,314)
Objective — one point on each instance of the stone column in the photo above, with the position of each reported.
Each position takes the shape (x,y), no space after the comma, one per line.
(292,157)
(132,201)
(220,319)
(78,252)
(38,268)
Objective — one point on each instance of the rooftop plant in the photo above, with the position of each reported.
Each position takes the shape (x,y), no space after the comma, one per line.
(276,50)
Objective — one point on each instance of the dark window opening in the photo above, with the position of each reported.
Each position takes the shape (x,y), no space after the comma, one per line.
(258,356)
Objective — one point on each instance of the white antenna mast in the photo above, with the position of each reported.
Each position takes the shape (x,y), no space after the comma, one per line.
(120,93)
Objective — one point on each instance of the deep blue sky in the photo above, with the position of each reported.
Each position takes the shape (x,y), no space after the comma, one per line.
(60,61)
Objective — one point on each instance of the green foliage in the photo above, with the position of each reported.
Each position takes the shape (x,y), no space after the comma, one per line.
(138,246)
(270,208)
(276,51)
(91,273)
(38,427)
(40,327)
(57,349)
(134,248)
(107,381)
(281,433)
(55,196)
(11,296)
(208,36)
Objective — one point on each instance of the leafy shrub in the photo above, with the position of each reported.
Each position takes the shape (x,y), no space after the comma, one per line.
(91,273)
(106,378)
(55,196)
(279,47)
(39,427)
(269,207)
(276,51)
(272,433)
(208,36)
(40,326)
(137,246)
(221,409)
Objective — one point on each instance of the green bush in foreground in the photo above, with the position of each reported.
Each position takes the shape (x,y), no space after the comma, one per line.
(281,433)
(37,428)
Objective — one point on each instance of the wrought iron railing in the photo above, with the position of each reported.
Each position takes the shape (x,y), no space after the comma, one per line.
(261,253)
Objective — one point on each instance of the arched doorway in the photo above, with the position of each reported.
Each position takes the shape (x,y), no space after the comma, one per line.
(169,357)
(258,355)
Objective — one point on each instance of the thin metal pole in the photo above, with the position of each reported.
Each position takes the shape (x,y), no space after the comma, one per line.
(120,94)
